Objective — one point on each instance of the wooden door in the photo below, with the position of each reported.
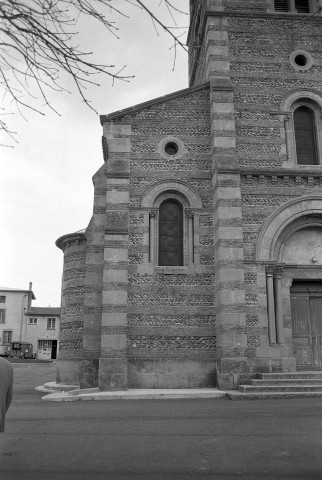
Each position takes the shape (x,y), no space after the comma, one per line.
(316,319)
(306,303)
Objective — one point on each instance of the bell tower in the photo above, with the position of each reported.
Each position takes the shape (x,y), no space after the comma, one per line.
(262,59)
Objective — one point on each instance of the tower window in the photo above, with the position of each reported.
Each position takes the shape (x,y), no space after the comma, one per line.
(302,6)
(281,5)
(304,126)
(293,6)
(170,233)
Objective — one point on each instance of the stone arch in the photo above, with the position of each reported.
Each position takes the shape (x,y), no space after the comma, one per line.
(289,99)
(280,225)
(312,100)
(157,192)
(189,200)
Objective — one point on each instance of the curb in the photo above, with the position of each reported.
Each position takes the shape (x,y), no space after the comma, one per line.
(149,394)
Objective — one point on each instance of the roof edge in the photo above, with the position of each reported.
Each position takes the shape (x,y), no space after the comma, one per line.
(154,101)
(70,236)
(17,290)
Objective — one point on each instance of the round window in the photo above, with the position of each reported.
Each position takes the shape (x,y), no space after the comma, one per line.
(301,60)
(171,148)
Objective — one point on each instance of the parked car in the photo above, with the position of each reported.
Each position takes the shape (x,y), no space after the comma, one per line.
(4,350)
(21,350)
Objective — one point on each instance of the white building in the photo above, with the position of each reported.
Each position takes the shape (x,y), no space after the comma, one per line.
(20,322)
(41,328)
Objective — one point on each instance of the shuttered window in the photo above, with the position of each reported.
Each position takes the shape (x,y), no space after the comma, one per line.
(304,126)
(170,233)
(281,5)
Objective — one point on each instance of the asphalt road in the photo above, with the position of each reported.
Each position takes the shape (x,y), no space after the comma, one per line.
(157,439)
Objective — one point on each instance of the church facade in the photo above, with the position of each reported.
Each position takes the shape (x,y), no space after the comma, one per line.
(202,263)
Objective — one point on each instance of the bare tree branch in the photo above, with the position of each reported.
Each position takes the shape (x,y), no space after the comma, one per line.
(37,45)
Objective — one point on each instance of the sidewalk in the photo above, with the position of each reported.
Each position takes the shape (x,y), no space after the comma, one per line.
(68,393)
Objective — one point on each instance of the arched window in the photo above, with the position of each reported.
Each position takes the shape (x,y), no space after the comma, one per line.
(170,215)
(305,138)
(170,233)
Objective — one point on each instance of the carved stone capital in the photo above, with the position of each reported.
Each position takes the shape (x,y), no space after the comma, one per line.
(278,271)
(189,212)
(270,270)
(153,212)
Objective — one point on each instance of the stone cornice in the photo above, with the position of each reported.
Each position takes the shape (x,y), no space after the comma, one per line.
(271,172)
(76,237)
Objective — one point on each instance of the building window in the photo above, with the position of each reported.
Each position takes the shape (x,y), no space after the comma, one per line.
(33,321)
(171,148)
(170,233)
(304,129)
(293,6)
(51,323)
(2,299)
(7,337)
(2,315)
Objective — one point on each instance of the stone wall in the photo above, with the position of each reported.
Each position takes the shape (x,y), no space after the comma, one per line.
(72,308)
(171,338)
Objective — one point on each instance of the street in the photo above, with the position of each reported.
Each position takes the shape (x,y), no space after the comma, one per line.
(157,439)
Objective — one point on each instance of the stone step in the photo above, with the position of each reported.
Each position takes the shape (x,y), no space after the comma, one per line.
(237,395)
(280,388)
(287,381)
(304,375)
(55,387)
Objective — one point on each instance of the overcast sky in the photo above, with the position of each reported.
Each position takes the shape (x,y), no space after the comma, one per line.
(46,180)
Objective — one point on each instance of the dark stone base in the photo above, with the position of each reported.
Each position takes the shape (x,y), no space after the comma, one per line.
(232,372)
(112,374)
(68,371)
(171,373)
(89,373)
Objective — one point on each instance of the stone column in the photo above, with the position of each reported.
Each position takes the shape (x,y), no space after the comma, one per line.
(113,361)
(190,215)
(270,304)
(287,127)
(279,304)
(152,230)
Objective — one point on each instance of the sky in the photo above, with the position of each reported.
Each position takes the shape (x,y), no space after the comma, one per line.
(46,187)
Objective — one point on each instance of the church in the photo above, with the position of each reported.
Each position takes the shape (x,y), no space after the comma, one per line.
(202,263)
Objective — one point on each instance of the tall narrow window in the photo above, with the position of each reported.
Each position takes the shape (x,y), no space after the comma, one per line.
(281,5)
(304,126)
(170,233)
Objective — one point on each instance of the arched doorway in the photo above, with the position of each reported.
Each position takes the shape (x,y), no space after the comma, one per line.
(290,244)
(303,248)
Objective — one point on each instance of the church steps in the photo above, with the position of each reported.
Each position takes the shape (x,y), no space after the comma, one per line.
(281,385)
(280,388)
(291,375)
(287,381)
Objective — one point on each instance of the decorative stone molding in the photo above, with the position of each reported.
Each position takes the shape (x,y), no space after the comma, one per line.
(280,219)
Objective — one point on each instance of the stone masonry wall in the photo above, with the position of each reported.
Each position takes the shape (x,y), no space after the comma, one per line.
(72,311)
(262,76)
(171,338)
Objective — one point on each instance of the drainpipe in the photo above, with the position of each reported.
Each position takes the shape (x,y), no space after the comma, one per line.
(23,310)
